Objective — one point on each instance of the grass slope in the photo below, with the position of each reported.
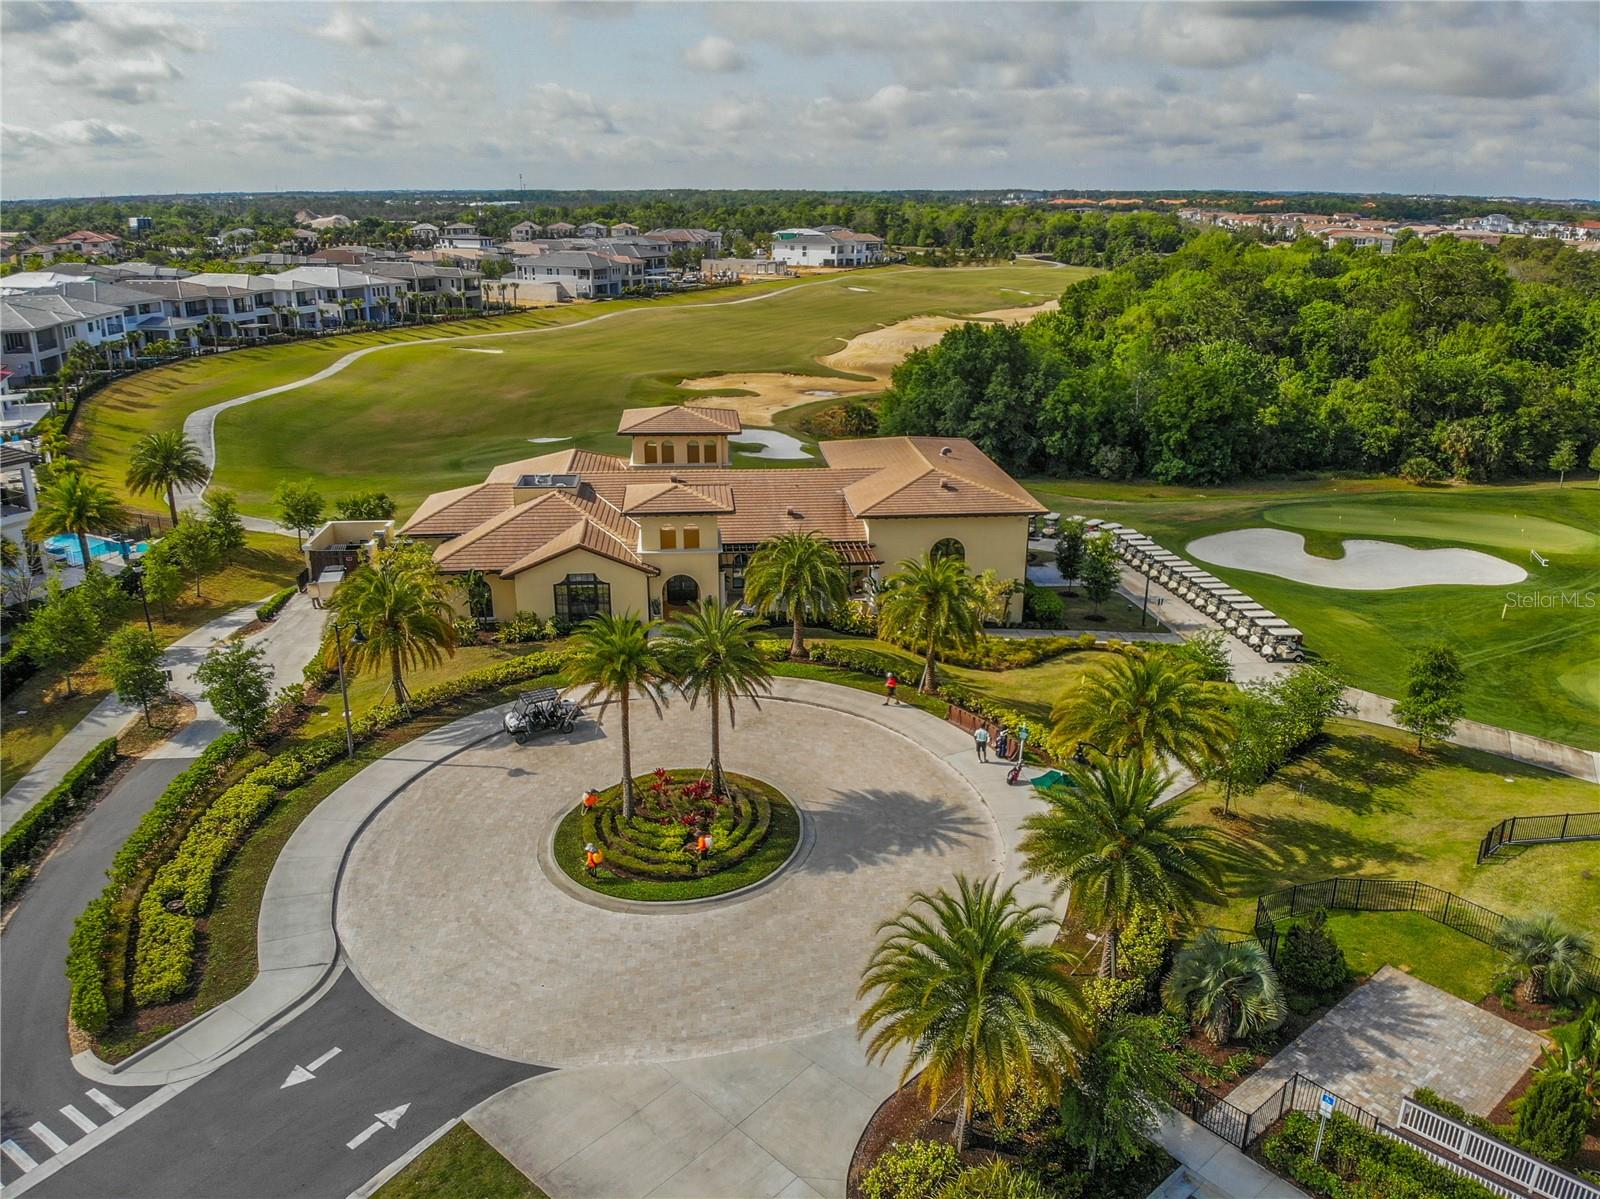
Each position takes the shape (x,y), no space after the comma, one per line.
(417,420)
(1530,649)
(459,1165)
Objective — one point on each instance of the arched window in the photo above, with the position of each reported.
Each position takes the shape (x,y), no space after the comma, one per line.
(711,454)
(651,452)
(669,451)
(949,547)
(691,537)
(693,455)
(669,537)
(681,590)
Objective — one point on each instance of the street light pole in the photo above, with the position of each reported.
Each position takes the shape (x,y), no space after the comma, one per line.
(1146,606)
(344,690)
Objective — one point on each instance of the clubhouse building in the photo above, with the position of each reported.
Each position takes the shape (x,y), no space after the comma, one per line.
(575,533)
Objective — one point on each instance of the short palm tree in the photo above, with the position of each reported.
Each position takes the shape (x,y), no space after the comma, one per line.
(612,657)
(932,602)
(1226,989)
(1544,954)
(798,573)
(1107,837)
(77,505)
(1146,706)
(401,605)
(164,462)
(711,652)
(961,983)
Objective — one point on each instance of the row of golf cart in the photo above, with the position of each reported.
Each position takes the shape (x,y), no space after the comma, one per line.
(1261,629)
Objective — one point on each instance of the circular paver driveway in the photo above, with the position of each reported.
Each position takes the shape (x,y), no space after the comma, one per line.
(448,917)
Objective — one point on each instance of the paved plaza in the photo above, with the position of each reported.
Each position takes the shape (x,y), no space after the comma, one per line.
(1393,1035)
(448,916)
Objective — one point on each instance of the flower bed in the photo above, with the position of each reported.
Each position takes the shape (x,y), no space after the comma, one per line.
(1356,1163)
(655,854)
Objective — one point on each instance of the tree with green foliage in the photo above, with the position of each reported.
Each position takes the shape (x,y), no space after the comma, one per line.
(1207,652)
(1225,989)
(1544,954)
(1310,961)
(1146,707)
(64,632)
(133,664)
(1306,698)
(1070,548)
(965,987)
(932,603)
(1435,697)
(1101,571)
(365,505)
(612,657)
(163,462)
(1575,1049)
(163,578)
(1243,760)
(75,504)
(712,655)
(236,680)
(193,542)
(401,604)
(1553,1117)
(222,518)
(1594,462)
(1124,1077)
(798,573)
(1107,837)
(299,507)
(1564,459)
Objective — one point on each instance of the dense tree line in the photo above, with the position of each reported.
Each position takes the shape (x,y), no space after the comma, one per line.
(1227,359)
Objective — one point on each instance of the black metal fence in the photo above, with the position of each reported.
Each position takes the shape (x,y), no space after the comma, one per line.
(1392,895)
(1212,1112)
(1540,830)
(1300,1094)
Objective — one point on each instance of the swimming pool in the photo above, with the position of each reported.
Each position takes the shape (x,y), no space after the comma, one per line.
(63,547)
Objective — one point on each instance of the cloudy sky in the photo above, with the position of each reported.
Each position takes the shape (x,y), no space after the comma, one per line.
(115,98)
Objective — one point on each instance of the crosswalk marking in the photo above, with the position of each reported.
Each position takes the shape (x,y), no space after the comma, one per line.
(49,1138)
(78,1118)
(18,1154)
(111,1105)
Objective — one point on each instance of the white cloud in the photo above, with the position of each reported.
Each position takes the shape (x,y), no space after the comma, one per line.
(563,108)
(94,133)
(715,54)
(351,29)
(130,80)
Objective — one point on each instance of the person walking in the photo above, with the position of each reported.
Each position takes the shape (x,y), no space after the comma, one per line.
(981,738)
(889,684)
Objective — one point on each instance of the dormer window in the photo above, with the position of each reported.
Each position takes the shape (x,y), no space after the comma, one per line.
(669,537)
(691,537)
(652,453)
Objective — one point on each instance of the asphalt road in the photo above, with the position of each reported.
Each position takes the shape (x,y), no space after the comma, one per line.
(240,1133)
(36,1076)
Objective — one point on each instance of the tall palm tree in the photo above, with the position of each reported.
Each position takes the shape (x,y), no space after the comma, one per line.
(1108,838)
(1544,953)
(960,982)
(1146,706)
(76,504)
(401,605)
(1226,989)
(164,462)
(612,657)
(935,603)
(798,573)
(711,652)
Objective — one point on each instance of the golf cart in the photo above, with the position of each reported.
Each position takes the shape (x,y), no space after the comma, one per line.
(540,711)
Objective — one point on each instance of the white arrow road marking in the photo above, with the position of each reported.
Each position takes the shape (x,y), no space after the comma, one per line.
(302,1074)
(111,1105)
(49,1138)
(19,1155)
(78,1118)
(389,1118)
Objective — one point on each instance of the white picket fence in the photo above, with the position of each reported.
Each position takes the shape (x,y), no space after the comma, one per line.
(1491,1162)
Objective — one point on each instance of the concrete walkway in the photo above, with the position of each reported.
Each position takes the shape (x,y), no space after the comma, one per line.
(1216,1167)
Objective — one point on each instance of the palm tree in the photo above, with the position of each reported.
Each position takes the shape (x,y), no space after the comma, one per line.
(962,983)
(612,656)
(401,605)
(1146,706)
(164,462)
(934,602)
(711,652)
(798,573)
(76,504)
(1226,989)
(1107,836)
(1545,954)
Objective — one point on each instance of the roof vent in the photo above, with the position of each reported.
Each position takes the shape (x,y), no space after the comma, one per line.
(675,479)
(945,451)
(796,514)
(947,485)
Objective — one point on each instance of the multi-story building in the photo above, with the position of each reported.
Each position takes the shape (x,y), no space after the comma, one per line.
(696,242)
(462,287)
(37,329)
(464,237)
(827,245)
(583,274)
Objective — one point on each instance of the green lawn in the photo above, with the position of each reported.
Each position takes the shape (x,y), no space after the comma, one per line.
(1530,649)
(421,419)
(1411,942)
(1367,804)
(459,1165)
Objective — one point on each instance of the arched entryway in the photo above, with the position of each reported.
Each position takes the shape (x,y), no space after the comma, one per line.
(680,591)
(949,547)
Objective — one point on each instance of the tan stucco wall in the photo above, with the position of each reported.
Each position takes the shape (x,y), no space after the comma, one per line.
(650,531)
(997,543)
(680,450)
(534,589)
(699,565)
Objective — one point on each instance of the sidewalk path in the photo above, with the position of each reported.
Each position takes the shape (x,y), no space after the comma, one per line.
(1218,1167)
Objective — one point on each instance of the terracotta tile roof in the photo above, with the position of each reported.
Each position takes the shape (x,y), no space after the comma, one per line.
(520,535)
(451,513)
(672,497)
(557,462)
(927,476)
(587,535)
(764,501)
(679,419)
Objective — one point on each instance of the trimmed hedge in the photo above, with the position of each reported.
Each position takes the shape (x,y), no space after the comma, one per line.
(85,972)
(36,829)
(649,850)
(273,606)
(1357,1164)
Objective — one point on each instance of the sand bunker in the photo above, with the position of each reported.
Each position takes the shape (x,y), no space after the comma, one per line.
(472,350)
(874,353)
(1366,565)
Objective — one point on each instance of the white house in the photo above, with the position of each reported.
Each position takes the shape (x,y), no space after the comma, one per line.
(524,231)
(424,232)
(1360,239)
(464,237)
(829,245)
(38,328)
(582,273)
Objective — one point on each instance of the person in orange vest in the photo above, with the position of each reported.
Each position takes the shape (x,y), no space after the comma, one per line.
(592,858)
(702,844)
(589,800)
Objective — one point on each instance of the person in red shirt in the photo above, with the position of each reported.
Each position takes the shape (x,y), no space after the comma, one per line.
(889,684)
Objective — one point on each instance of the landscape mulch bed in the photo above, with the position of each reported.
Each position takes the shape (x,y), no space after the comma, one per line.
(1534,1016)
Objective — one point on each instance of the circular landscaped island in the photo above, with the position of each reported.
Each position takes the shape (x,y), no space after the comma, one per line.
(682,842)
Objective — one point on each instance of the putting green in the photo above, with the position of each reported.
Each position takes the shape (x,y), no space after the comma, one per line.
(1397,518)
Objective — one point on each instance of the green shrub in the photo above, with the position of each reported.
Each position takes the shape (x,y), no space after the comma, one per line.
(1043,607)
(85,969)
(35,830)
(164,958)
(911,1170)
(16,668)
(1310,960)
(1358,1164)
(1553,1116)
(170,807)
(273,606)
(521,628)
(998,1179)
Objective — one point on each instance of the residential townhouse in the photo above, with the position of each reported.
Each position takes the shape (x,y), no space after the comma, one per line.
(698,242)
(85,242)
(37,329)
(1360,239)
(464,237)
(424,232)
(524,231)
(463,287)
(560,229)
(831,245)
(583,274)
